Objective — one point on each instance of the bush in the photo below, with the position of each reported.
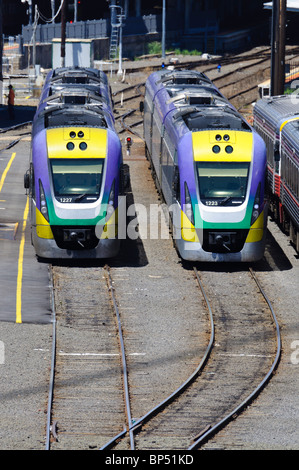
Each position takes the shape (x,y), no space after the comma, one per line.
(154,47)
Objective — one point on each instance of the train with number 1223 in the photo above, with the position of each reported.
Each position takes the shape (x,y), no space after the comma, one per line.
(210,166)
(75,169)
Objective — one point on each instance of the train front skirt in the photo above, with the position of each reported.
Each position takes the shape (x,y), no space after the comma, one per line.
(221,245)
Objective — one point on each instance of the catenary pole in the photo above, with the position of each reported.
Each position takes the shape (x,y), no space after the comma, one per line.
(163,28)
(63,32)
(278,47)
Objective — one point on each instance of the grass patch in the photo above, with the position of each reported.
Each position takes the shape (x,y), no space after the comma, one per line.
(155,47)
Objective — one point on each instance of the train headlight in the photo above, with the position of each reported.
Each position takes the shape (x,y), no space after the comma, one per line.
(70,146)
(110,207)
(43,202)
(229,149)
(256,205)
(188,205)
(216,148)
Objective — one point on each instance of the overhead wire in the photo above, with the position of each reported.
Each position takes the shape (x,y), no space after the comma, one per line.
(49,20)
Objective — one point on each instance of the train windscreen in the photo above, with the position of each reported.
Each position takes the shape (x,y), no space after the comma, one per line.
(222,183)
(77,180)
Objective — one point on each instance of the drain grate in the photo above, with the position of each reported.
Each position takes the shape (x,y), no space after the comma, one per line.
(8,231)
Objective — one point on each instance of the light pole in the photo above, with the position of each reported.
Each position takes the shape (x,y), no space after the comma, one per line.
(119,25)
(163,28)
(53,10)
(75,10)
(29,9)
(120,51)
(63,32)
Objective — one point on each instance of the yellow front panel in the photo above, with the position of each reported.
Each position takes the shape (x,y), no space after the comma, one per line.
(188,231)
(59,138)
(111,227)
(43,229)
(256,231)
(241,143)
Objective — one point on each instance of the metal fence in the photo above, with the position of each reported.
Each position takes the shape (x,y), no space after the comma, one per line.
(93,29)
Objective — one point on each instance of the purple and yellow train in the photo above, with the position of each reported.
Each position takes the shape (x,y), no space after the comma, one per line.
(75,173)
(210,166)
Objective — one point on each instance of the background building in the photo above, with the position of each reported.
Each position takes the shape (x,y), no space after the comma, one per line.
(213,26)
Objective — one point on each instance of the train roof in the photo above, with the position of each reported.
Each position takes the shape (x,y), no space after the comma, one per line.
(75,95)
(73,102)
(277,109)
(69,115)
(183,77)
(93,80)
(91,87)
(212,118)
(77,75)
(291,134)
(194,99)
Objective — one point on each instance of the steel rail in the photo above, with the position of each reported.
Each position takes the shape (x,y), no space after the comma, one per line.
(136,426)
(49,426)
(200,63)
(214,429)
(197,371)
(53,361)
(16,126)
(124,364)
(127,127)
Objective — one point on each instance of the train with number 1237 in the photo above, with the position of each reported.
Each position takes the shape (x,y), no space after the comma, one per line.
(75,169)
(210,166)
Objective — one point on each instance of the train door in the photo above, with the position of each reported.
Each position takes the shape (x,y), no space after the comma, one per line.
(277,166)
(148,122)
(29,184)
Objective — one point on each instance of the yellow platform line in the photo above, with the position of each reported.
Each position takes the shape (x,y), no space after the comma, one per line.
(6,170)
(20,266)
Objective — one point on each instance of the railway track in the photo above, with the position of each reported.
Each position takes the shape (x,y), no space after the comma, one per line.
(238,80)
(221,384)
(86,366)
(133,424)
(208,65)
(263,355)
(172,423)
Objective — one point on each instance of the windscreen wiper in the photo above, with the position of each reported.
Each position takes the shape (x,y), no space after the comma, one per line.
(225,200)
(82,196)
(79,198)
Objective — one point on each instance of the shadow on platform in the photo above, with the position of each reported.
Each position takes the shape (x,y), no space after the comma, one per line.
(22,114)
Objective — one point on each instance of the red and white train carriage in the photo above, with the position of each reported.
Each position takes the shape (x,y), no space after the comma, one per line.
(276,119)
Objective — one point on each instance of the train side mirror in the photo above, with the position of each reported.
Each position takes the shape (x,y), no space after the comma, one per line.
(141,106)
(26,180)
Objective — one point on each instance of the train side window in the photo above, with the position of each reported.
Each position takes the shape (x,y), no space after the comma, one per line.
(176,184)
(297,184)
(32,182)
(276,152)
